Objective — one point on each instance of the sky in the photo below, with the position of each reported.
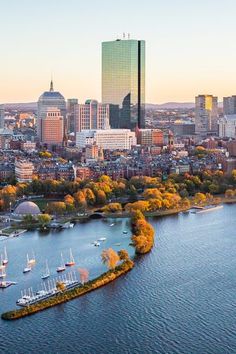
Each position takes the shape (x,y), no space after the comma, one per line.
(190,46)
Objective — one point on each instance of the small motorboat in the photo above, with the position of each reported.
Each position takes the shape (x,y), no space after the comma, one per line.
(125,232)
(112,224)
(102,239)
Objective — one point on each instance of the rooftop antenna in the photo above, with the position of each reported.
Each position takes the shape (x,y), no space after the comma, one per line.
(51,84)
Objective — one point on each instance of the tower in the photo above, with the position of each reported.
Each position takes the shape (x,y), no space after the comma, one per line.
(48,101)
(123,80)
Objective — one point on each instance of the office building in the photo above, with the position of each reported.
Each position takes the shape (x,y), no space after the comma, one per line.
(24,171)
(91,115)
(229,105)
(227,126)
(206,115)
(50,99)
(71,103)
(52,127)
(110,139)
(150,137)
(2,115)
(183,128)
(123,80)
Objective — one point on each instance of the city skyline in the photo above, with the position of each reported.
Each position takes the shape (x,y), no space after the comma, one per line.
(187,45)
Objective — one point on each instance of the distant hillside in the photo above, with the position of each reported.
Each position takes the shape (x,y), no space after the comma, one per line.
(30,106)
(171,105)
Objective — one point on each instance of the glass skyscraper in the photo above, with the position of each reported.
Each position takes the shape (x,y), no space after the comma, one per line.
(123,80)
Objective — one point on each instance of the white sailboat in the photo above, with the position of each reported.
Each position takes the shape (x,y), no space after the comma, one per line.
(2,270)
(46,274)
(5,259)
(62,267)
(71,261)
(28,268)
(32,260)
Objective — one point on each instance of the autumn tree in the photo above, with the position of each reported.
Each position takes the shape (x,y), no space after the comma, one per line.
(141,205)
(112,208)
(199,198)
(100,197)
(60,286)
(110,258)
(57,208)
(123,255)
(44,219)
(80,200)
(84,275)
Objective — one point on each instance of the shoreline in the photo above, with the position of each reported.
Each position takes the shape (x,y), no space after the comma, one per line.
(71,294)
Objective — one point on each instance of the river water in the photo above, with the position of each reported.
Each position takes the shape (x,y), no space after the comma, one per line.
(180,298)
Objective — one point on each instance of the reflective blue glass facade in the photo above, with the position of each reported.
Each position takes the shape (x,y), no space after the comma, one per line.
(123,80)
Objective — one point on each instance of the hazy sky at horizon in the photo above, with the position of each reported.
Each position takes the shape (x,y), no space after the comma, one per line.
(190,46)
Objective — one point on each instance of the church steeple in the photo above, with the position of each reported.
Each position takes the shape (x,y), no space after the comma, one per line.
(51,86)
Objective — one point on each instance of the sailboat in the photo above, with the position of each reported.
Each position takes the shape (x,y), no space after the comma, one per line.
(32,261)
(71,261)
(28,268)
(2,270)
(62,267)
(5,259)
(46,274)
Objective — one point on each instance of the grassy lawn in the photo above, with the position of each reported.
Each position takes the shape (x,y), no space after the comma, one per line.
(42,203)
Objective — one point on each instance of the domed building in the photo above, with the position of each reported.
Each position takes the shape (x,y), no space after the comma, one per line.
(51,117)
(26,208)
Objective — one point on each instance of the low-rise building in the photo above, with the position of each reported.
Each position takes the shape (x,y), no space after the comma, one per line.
(110,139)
(24,170)
(150,137)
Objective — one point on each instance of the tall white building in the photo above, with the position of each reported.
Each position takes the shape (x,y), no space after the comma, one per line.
(227,126)
(110,139)
(92,115)
(206,114)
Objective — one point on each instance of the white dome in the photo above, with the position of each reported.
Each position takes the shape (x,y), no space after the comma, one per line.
(27,208)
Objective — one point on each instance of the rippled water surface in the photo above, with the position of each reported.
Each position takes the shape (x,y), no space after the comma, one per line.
(180,298)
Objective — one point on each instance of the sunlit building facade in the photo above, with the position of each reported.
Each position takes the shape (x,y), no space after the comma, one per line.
(206,114)
(52,127)
(123,80)
(110,139)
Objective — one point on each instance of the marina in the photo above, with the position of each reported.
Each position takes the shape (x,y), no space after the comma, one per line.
(48,289)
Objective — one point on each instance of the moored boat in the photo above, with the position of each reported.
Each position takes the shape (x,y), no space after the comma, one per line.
(71,261)
(28,268)
(46,274)
(62,267)
(5,259)
(209,208)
